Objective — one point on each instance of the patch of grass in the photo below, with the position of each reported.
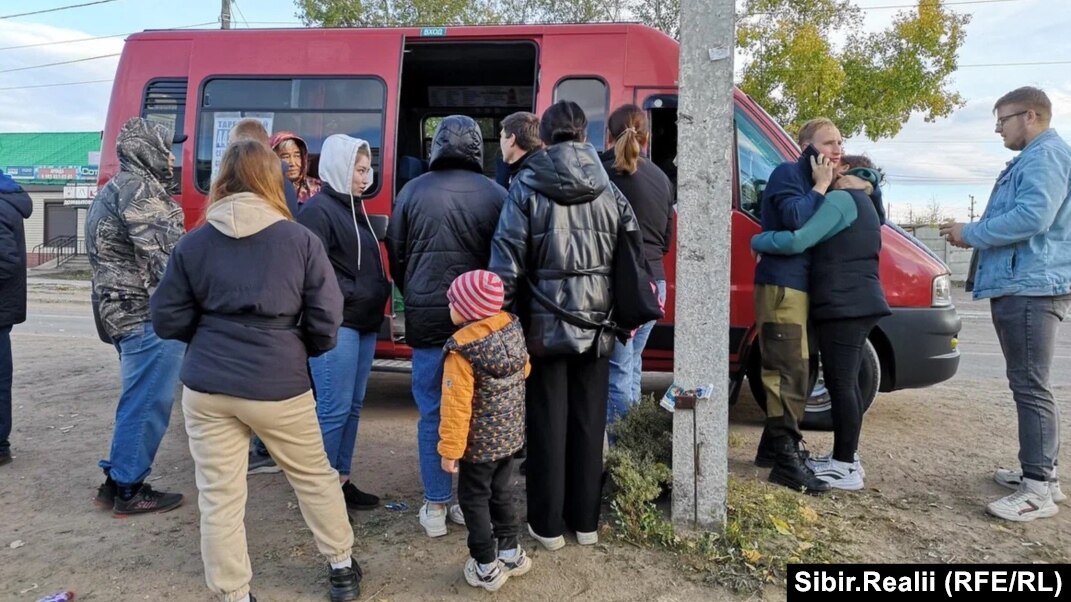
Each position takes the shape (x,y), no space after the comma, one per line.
(766,526)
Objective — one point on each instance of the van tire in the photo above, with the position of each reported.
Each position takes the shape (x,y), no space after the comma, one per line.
(819,416)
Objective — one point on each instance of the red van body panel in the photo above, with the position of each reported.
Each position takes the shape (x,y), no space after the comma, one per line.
(635,62)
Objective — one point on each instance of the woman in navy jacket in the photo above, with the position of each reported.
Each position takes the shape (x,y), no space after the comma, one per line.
(253,296)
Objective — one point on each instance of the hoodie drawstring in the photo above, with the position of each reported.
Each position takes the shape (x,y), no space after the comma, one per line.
(356,230)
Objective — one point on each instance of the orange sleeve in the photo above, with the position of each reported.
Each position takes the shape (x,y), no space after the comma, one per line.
(456,409)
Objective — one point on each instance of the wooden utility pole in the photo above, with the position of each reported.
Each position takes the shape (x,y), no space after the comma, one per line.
(701,334)
(972,208)
(225,14)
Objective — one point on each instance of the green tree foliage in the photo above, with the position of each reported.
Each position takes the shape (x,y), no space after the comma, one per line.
(801,58)
(869,84)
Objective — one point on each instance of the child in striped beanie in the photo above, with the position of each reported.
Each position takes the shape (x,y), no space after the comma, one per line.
(482,424)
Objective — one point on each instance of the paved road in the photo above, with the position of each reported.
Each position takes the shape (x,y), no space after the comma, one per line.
(982,358)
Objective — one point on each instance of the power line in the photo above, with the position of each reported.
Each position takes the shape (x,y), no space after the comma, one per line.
(115,35)
(92,58)
(896,6)
(92,81)
(240,13)
(59,8)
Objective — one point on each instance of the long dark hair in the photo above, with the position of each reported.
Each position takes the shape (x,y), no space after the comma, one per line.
(628,128)
(563,121)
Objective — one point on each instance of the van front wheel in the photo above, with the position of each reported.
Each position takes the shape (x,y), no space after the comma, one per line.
(819,415)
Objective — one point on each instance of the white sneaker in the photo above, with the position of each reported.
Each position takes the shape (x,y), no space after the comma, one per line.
(516,565)
(433,521)
(490,581)
(840,475)
(1030,502)
(1013,478)
(456,515)
(550,543)
(816,463)
(587,539)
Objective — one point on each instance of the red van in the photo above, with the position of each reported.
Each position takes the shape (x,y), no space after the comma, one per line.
(390,86)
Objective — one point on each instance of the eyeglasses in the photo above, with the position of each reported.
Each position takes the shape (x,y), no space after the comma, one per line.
(1001,120)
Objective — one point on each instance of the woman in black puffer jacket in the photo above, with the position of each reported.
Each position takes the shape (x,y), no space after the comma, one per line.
(557,233)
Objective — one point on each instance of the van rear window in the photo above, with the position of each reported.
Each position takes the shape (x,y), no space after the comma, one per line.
(312,108)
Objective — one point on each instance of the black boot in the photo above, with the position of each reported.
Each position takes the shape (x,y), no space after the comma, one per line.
(766,456)
(346,583)
(790,470)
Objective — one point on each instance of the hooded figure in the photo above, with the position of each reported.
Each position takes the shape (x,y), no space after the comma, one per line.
(292,149)
(338,217)
(132,226)
(441,228)
(15,207)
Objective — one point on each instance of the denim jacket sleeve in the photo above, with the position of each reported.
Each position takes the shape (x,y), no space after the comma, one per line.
(1040,186)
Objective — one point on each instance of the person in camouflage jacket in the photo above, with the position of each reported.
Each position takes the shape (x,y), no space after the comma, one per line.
(132,226)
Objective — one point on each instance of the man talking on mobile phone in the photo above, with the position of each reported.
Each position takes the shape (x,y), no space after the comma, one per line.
(794,192)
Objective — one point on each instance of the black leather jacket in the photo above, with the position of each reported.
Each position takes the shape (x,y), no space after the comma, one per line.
(559,229)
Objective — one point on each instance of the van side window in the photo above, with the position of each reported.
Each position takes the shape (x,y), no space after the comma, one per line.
(592,96)
(312,108)
(756,158)
(165,103)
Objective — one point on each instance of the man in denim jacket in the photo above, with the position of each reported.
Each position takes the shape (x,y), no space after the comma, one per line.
(1023,247)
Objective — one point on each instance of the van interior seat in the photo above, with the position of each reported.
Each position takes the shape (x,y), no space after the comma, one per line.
(409,167)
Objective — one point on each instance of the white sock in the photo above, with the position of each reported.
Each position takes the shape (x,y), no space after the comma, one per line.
(485,569)
(342,564)
(509,554)
(245,599)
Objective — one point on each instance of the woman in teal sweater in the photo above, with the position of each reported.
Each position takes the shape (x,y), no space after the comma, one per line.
(844,240)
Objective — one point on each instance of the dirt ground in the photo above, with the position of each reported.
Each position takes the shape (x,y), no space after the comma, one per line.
(929,455)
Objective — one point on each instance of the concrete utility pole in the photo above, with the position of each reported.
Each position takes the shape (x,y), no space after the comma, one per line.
(701,334)
(972,207)
(225,14)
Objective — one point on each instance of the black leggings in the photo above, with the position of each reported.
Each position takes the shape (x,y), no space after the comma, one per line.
(841,343)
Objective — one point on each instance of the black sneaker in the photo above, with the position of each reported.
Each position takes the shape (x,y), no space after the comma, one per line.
(106,493)
(5,457)
(145,501)
(346,582)
(357,499)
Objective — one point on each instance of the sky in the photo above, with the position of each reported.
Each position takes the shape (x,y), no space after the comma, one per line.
(944,162)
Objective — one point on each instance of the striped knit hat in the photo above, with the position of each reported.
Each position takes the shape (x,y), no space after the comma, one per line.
(476,295)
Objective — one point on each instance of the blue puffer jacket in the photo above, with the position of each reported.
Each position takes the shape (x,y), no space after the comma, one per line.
(1024,236)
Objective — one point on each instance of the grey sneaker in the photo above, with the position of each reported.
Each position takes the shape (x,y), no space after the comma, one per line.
(262,464)
(1013,478)
(516,565)
(490,581)
(455,515)
(819,463)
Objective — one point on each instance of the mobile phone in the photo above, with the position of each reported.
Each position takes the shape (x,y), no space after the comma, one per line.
(811,151)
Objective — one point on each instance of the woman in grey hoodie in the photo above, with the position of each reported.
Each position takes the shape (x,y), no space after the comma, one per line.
(250,331)
(336,215)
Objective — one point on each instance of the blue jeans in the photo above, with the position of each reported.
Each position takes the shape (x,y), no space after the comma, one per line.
(427,391)
(150,370)
(341,377)
(6,370)
(626,368)
(1026,328)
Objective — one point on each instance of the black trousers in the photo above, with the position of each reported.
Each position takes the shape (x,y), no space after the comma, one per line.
(841,343)
(566,412)
(485,492)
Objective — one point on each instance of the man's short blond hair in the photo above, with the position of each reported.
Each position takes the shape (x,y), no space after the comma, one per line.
(249,129)
(1029,98)
(811,127)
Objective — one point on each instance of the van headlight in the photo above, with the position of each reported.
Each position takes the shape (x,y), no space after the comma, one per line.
(942,291)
